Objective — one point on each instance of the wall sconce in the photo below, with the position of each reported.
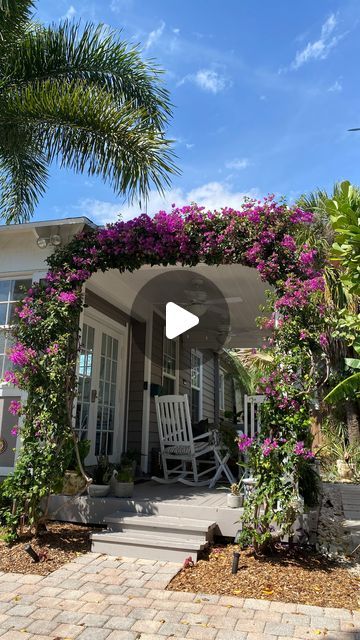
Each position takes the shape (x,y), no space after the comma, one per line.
(54,240)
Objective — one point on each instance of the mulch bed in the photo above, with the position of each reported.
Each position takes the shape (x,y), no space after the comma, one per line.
(289,576)
(60,544)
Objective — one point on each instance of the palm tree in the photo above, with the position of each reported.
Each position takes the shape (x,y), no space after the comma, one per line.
(339,296)
(81,97)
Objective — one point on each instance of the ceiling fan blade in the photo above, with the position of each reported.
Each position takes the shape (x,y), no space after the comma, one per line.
(230,300)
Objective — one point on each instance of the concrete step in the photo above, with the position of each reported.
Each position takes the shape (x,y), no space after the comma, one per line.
(146,545)
(168,525)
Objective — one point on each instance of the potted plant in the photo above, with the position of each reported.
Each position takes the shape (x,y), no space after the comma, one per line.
(74,482)
(123,482)
(101,475)
(235,498)
(338,449)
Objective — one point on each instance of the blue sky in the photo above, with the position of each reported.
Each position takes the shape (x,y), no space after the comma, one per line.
(264,93)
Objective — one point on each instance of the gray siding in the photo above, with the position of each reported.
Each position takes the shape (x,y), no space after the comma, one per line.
(136,386)
(208,385)
(7,422)
(105,307)
(156,376)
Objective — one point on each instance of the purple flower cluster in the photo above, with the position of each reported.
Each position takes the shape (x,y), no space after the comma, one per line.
(53,350)
(268,446)
(244,442)
(300,450)
(20,355)
(11,378)
(68,297)
(15,407)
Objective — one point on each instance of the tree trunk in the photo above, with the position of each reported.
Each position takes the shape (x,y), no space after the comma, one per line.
(352,420)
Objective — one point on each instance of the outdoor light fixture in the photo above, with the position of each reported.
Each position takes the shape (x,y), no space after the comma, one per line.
(54,240)
(32,553)
(235,562)
(42,243)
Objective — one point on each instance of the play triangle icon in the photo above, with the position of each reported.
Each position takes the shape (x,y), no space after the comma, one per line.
(178,320)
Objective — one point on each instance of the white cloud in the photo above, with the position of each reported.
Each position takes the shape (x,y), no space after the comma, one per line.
(238,163)
(116,6)
(319,49)
(207,80)
(210,80)
(212,195)
(71,12)
(154,35)
(99,210)
(336,87)
(176,31)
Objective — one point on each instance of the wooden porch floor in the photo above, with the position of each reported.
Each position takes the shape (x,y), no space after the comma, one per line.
(152,498)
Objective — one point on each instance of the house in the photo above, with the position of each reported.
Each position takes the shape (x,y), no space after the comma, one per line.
(125,357)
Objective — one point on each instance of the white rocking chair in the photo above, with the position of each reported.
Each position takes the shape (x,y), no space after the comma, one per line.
(178,443)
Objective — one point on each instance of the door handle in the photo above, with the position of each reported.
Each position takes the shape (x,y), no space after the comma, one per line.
(93,395)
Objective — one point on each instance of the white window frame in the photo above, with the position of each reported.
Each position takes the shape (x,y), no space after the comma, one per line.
(6,327)
(222,390)
(166,374)
(198,354)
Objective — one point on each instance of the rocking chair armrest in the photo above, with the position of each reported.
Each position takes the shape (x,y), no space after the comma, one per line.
(203,435)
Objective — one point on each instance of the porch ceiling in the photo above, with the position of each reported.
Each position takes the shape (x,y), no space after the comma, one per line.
(234,281)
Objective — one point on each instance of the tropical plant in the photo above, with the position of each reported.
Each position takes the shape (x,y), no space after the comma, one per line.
(336,236)
(79,96)
(102,473)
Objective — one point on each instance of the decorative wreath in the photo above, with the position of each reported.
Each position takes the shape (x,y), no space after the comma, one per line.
(3,445)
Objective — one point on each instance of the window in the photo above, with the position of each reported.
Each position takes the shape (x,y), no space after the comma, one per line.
(10,292)
(196,385)
(86,366)
(169,366)
(221,390)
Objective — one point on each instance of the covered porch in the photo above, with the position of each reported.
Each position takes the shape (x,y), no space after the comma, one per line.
(125,310)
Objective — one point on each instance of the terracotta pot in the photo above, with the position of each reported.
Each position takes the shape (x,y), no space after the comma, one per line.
(73,483)
(234,502)
(346,470)
(98,490)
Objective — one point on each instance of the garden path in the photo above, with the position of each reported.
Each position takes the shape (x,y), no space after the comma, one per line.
(99,597)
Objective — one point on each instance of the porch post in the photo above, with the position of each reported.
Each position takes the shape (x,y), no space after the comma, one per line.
(216,388)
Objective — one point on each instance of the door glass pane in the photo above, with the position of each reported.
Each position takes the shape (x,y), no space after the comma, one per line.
(85,382)
(104,440)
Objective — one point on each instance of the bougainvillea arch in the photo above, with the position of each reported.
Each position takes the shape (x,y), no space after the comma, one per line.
(261,234)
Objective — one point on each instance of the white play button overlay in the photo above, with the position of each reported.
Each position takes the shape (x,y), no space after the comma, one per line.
(178,320)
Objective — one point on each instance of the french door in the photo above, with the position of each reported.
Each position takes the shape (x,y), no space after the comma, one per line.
(101,389)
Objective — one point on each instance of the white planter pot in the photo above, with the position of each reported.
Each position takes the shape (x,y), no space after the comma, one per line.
(123,489)
(234,502)
(98,490)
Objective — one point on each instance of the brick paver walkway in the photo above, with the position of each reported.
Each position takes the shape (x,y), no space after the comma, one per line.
(99,597)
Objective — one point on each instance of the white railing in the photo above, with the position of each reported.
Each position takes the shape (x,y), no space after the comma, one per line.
(252,417)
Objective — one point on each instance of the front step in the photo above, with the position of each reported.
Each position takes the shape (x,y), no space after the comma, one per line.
(181,527)
(121,543)
(153,537)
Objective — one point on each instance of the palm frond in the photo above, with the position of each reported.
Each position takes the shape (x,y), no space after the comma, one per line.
(94,55)
(243,377)
(85,130)
(14,18)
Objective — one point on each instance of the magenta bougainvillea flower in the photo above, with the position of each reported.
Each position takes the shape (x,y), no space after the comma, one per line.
(20,355)
(15,407)
(244,442)
(68,297)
